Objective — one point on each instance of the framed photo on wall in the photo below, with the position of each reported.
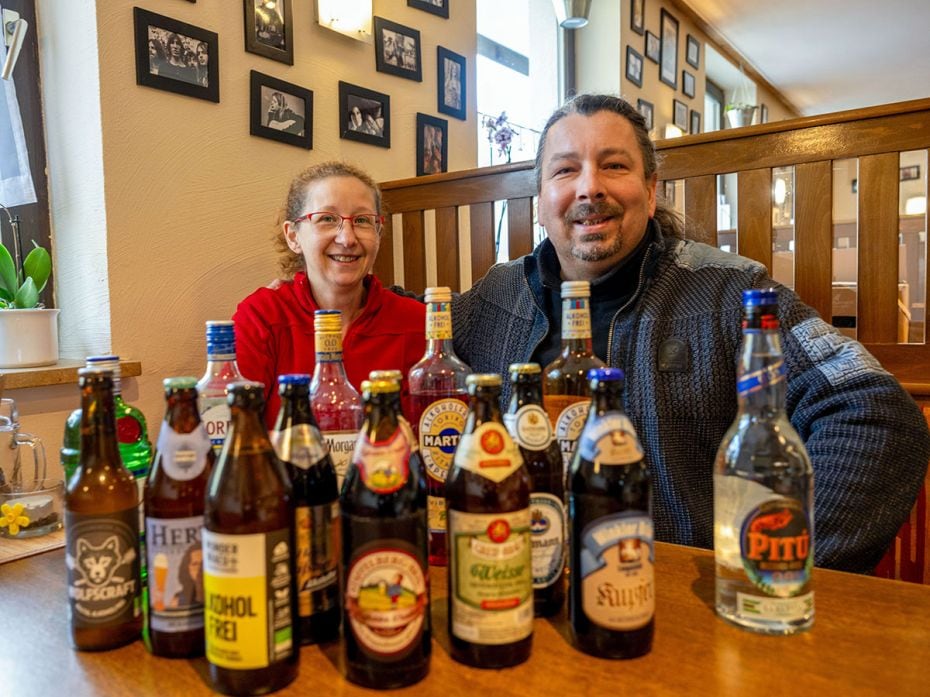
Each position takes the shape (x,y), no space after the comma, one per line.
(668,64)
(648,111)
(687,83)
(364,115)
(432,145)
(680,115)
(653,47)
(397,50)
(634,66)
(693,52)
(436,7)
(637,16)
(695,122)
(763,114)
(280,111)
(450,86)
(176,56)
(269,30)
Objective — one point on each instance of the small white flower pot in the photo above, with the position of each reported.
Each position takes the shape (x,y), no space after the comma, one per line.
(28,338)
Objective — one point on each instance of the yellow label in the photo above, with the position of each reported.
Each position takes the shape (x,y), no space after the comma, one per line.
(328,346)
(439,320)
(576,319)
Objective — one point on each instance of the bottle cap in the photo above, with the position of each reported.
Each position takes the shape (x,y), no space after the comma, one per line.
(221,338)
(383,386)
(245,393)
(754,297)
(438,294)
(483,380)
(327,321)
(605,374)
(179,383)
(294,379)
(386,375)
(576,289)
(524,369)
(366,389)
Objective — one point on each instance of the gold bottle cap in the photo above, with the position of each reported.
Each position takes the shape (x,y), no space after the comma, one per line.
(382,386)
(576,289)
(327,321)
(525,369)
(385,375)
(483,380)
(438,294)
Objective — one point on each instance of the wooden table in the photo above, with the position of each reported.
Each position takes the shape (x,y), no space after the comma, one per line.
(871,637)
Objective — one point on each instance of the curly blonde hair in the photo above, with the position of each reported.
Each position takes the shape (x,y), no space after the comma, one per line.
(289,261)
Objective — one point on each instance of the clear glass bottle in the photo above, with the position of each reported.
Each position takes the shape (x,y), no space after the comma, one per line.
(763,491)
(439,398)
(221,370)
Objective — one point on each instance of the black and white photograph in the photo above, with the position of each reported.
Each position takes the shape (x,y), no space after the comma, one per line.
(397,50)
(909,173)
(436,7)
(695,122)
(269,30)
(763,114)
(653,47)
(451,82)
(280,110)
(634,66)
(176,56)
(637,16)
(693,52)
(364,115)
(432,145)
(687,83)
(680,115)
(648,111)
(668,63)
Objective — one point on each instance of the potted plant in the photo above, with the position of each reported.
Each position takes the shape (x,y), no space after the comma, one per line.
(740,111)
(28,331)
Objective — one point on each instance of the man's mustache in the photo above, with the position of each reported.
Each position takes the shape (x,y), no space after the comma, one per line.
(601,209)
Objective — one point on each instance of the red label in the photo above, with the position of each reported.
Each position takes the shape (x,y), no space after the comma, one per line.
(498,530)
(128,430)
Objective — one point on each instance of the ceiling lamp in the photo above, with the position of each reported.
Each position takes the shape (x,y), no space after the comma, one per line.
(351,18)
(572,14)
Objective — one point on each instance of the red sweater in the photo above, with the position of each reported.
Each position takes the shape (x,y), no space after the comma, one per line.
(274,336)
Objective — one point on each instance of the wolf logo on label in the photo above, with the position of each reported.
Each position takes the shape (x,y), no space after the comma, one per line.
(98,565)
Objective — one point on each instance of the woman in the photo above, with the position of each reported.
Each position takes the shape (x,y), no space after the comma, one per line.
(329,259)
(281,117)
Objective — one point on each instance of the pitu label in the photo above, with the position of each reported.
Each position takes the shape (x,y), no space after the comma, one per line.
(318,548)
(568,414)
(776,547)
(183,455)
(300,445)
(175,570)
(439,320)
(617,571)
(547,534)
(757,380)
(610,440)
(441,426)
(384,465)
(530,427)
(576,319)
(216,419)
(489,451)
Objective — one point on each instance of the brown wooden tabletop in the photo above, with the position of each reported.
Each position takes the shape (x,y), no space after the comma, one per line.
(871,637)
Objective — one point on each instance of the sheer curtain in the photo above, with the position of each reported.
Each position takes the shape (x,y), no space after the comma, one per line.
(16,187)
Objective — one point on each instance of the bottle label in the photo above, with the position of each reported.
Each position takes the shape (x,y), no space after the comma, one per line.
(761,379)
(300,445)
(576,319)
(328,347)
(216,419)
(318,549)
(128,430)
(386,598)
(439,320)
(776,547)
(384,465)
(489,451)
(530,427)
(568,414)
(441,426)
(491,576)
(436,513)
(247,588)
(175,566)
(775,609)
(617,574)
(102,556)
(547,534)
(341,445)
(183,455)
(610,440)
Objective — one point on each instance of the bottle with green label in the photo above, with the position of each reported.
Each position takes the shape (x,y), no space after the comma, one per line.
(490,546)
(250,595)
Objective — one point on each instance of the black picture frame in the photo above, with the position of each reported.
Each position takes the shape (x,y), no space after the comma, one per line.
(393,58)
(763,114)
(653,47)
(909,173)
(372,123)
(668,61)
(637,16)
(695,125)
(647,109)
(432,159)
(268,32)
(450,83)
(634,66)
(693,52)
(436,7)
(687,84)
(154,67)
(680,115)
(280,110)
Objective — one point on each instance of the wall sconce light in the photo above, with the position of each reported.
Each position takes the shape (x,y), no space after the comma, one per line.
(781,191)
(572,14)
(349,17)
(672,131)
(915,205)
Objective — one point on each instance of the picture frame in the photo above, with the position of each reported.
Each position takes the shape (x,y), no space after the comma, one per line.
(909,173)
(436,7)
(397,50)
(680,115)
(763,114)
(634,66)
(668,62)
(669,191)
(647,109)
(653,47)
(695,126)
(280,110)
(364,115)
(687,84)
(637,16)
(269,31)
(693,52)
(450,83)
(432,145)
(168,69)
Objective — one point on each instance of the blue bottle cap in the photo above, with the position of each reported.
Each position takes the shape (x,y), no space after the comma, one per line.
(221,338)
(101,359)
(754,297)
(327,312)
(294,379)
(605,374)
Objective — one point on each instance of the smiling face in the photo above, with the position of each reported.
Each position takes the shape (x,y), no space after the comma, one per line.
(594,198)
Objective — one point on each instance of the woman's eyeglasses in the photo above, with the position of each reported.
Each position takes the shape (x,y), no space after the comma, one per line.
(326,222)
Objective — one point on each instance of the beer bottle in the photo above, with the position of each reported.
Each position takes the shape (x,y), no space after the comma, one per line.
(336,405)
(221,370)
(529,426)
(763,491)
(611,590)
(174,503)
(437,391)
(248,557)
(300,447)
(566,394)
(386,588)
(490,562)
(102,528)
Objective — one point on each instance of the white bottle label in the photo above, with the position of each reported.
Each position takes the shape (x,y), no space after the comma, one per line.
(611,440)
(489,451)
(216,418)
(547,528)
(341,445)
(183,455)
(569,426)
(757,607)
(530,427)
(175,570)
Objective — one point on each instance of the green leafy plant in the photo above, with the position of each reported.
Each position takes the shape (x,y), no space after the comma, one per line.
(20,288)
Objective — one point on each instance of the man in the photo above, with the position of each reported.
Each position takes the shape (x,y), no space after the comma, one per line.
(668,312)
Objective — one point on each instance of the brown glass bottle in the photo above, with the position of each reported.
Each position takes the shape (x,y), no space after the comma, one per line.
(300,446)
(174,503)
(248,543)
(529,426)
(386,625)
(102,528)
(488,514)
(612,590)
